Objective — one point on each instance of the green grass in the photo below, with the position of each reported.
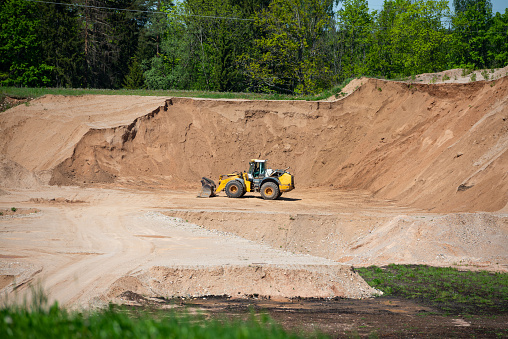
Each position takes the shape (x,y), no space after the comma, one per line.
(335,91)
(117,322)
(445,288)
(28,92)
(33,93)
(25,92)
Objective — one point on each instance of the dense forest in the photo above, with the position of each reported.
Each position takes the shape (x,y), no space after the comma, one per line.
(282,46)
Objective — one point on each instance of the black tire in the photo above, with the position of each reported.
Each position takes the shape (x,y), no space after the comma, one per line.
(280,193)
(234,189)
(270,191)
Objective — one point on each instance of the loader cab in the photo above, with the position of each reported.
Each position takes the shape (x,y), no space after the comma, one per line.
(257,169)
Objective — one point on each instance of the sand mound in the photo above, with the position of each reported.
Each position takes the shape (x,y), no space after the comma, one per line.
(289,281)
(41,135)
(438,147)
(13,175)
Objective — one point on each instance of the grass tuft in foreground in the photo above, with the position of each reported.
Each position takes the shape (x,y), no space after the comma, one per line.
(445,288)
(17,322)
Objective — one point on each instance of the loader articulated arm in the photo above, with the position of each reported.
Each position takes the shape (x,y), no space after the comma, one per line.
(224,179)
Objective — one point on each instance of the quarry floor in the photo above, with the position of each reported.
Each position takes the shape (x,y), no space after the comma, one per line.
(78,242)
(84,245)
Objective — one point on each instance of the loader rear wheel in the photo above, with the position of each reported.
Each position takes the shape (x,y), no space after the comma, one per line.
(234,189)
(270,191)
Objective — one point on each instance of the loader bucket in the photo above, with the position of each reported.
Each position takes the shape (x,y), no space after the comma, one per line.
(207,188)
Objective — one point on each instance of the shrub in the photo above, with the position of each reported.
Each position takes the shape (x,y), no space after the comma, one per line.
(485,74)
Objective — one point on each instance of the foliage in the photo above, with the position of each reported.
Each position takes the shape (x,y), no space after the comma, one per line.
(418,37)
(497,53)
(409,38)
(464,5)
(20,46)
(110,40)
(114,322)
(469,43)
(200,46)
(61,44)
(134,79)
(274,46)
(355,25)
(286,56)
(446,288)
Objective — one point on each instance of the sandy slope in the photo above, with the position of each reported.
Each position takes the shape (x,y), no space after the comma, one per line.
(394,172)
(436,147)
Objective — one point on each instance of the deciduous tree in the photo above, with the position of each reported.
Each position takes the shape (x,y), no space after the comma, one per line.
(286,56)
(20,46)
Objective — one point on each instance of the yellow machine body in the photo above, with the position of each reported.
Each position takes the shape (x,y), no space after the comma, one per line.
(270,183)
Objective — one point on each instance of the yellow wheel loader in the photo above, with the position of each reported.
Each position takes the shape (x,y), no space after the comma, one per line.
(270,183)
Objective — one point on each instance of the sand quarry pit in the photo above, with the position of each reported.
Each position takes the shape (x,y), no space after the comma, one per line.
(392,173)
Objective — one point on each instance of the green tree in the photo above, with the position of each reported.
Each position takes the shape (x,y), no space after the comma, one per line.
(110,39)
(61,43)
(498,42)
(355,24)
(134,79)
(418,37)
(409,38)
(201,44)
(20,46)
(461,6)
(216,41)
(287,56)
(379,59)
(469,44)
(175,64)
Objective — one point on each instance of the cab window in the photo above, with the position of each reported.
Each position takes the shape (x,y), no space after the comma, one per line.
(261,169)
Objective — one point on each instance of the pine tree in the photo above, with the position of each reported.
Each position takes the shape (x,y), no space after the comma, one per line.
(134,78)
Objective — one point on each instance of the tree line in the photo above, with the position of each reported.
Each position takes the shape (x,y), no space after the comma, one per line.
(281,46)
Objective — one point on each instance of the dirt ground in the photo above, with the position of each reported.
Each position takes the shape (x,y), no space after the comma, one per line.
(104,190)
(339,318)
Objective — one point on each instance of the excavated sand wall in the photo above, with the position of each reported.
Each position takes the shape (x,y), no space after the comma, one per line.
(437,147)
(361,240)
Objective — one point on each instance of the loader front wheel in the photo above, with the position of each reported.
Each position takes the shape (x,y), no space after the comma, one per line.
(234,189)
(270,191)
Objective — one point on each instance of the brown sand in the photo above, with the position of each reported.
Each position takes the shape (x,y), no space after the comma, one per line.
(393,172)
(442,148)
